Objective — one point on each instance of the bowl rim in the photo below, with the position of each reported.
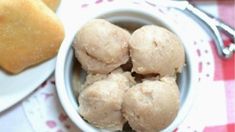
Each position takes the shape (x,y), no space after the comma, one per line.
(66,45)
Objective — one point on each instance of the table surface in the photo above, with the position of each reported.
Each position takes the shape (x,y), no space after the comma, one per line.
(214,109)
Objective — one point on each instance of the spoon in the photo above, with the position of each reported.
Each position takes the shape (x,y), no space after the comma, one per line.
(215,25)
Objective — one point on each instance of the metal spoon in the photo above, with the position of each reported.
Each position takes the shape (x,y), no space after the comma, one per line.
(215,25)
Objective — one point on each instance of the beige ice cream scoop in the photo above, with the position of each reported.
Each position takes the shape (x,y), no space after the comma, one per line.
(101,46)
(101,101)
(124,79)
(152,105)
(154,49)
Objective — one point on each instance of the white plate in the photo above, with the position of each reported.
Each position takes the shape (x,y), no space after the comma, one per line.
(13,88)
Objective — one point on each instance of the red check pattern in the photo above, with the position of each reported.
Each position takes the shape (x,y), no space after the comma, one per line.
(224,73)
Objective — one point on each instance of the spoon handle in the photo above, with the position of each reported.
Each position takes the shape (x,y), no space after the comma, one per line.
(216,26)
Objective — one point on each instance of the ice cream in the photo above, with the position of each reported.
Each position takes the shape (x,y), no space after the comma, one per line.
(151,106)
(146,94)
(101,46)
(101,101)
(154,49)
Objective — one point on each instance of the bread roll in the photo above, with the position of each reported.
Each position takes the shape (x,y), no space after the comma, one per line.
(53,4)
(30,33)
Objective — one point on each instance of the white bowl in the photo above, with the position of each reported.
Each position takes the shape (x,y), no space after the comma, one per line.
(117,12)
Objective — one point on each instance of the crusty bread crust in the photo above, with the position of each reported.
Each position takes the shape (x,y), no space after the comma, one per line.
(53,4)
(30,33)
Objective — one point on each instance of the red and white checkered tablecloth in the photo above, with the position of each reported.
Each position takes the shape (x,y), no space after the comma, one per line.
(213,109)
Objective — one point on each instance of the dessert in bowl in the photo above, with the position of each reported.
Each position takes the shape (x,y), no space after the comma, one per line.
(70,76)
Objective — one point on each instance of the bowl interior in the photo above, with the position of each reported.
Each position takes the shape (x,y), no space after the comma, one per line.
(130,20)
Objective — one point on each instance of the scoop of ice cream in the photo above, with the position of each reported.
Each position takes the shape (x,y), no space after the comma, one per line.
(124,79)
(152,105)
(156,50)
(100,102)
(91,78)
(101,46)
(100,105)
